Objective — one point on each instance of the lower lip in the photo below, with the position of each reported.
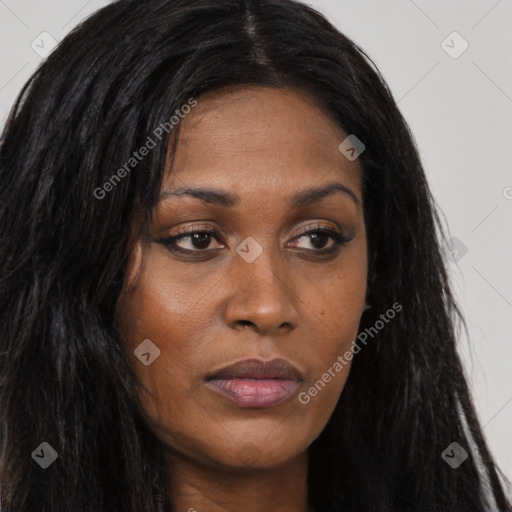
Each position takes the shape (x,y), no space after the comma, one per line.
(255,392)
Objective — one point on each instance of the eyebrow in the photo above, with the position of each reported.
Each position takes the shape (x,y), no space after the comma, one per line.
(228,199)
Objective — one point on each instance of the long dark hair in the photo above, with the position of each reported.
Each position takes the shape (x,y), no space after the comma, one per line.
(64,379)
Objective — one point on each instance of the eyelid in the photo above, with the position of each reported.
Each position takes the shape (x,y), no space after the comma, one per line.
(305,230)
(317,225)
(194,229)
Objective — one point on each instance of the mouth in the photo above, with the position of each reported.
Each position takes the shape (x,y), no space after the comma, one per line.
(256,384)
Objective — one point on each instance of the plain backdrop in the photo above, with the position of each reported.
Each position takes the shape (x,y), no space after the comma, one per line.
(455,91)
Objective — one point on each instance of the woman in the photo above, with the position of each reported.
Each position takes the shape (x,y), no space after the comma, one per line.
(222,287)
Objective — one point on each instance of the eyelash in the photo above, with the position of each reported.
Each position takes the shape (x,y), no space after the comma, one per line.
(170,242)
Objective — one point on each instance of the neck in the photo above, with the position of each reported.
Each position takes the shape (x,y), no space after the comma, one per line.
(198,487)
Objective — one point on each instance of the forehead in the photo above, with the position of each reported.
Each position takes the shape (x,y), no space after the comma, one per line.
(268,140)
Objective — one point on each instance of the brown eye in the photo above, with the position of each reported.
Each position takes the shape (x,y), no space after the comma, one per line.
(197,241)
(320,237)
(194,240)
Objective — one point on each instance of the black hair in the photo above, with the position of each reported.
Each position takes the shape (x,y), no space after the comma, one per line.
(64,379)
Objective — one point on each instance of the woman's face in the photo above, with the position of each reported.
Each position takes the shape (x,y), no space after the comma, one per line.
(259,288)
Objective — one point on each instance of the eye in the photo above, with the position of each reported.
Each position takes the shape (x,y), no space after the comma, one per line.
(194,239)
(319,238)
(191,239)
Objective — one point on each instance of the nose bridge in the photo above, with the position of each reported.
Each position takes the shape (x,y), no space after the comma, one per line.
(261,293)
(264,275)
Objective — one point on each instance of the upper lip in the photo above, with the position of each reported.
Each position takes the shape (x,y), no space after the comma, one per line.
(258,369)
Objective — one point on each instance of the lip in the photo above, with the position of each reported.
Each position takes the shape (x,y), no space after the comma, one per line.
(254,383)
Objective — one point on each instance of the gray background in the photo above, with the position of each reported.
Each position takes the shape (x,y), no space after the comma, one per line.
(460,112)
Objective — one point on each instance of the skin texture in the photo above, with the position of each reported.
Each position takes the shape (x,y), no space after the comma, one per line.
(264,145)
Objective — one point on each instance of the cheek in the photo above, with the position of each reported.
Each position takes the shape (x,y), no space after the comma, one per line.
(164,394)
(164,301)
(330,359)
(321,395)
(157,312)
(335,307)
(336,304)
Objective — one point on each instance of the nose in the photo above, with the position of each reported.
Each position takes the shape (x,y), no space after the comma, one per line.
(262,297)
